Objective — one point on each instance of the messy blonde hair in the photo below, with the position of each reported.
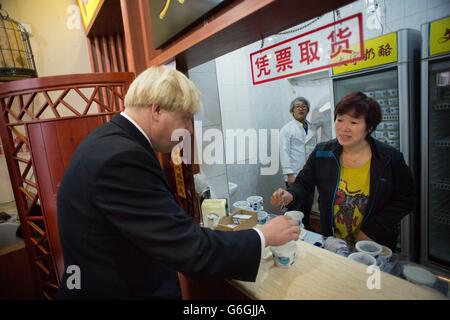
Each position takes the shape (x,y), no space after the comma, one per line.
(165,87)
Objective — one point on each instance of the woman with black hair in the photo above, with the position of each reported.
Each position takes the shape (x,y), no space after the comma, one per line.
(365,187)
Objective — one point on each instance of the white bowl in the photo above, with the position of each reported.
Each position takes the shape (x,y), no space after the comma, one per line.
(363,258)
(419,275)
(296,216)
(369,247)
(385,254)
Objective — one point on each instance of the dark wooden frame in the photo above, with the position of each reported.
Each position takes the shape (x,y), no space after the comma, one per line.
(236,24)
(106,99)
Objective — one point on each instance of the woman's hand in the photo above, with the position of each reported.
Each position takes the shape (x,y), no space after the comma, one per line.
(362,236)
(290,179)
(281,196)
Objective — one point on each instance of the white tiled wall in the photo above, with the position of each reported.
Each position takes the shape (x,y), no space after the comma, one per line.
(244,106)
(206,82)
(437,9)
(204,76)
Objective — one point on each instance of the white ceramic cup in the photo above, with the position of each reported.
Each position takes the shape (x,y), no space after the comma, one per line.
(284,255)
(385,255)
(370,247)
(363,258)
(296,216)
(213,220)
(255,202)
(241,205)
(262,217)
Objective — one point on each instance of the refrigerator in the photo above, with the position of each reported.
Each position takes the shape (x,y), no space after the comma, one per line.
(394,83)
(435,145)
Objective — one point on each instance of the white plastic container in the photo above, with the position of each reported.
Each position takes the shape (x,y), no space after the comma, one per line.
(363,258)
(212,211)
(284,255)
(370,247)
(385,255)
(297,216)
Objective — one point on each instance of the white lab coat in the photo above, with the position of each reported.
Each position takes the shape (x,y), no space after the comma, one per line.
(295,146)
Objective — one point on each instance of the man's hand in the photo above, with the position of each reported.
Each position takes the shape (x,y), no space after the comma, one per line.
(275,200)
(280,230)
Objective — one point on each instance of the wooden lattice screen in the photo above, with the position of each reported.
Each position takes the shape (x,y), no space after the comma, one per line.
(40,99)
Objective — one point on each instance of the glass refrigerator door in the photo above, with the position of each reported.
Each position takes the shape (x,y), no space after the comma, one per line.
(438,159)
(383,87)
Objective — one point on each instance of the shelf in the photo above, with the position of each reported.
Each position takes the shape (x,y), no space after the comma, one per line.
(437,174)
(390,117)
(440,184)
(445,143)
(441,105)
(442,216)
(439,200)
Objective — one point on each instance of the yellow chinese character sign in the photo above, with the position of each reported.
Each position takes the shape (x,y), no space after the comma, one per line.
(327,46)
(378,51)
(440,36)
(87,9)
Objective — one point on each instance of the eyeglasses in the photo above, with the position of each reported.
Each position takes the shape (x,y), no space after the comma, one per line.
(301,106)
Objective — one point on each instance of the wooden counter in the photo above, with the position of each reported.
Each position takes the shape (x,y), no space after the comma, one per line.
(321,274)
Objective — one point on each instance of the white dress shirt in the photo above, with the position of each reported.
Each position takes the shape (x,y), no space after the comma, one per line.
(123,114)
(295,146)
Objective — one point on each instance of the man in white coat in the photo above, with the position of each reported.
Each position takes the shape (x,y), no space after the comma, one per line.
(297,140)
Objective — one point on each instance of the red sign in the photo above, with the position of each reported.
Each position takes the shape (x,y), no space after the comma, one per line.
(331,45)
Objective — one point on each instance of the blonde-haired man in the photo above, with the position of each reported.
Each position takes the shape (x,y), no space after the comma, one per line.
(118,220)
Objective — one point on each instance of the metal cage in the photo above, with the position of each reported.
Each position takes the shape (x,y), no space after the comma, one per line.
(16,56)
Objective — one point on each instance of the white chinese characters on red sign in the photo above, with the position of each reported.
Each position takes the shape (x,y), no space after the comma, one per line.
(328,46)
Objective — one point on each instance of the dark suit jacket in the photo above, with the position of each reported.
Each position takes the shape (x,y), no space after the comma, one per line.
(121,225)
